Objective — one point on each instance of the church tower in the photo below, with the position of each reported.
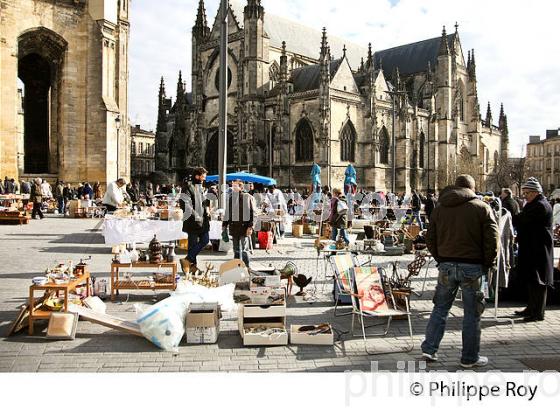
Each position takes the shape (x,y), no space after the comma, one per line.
(444,112)
(503,125)
(256,50)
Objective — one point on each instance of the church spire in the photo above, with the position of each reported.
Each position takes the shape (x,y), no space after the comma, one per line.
(161,121)
(325,49)
(201,20)
(179,98)
(283,64)
(369,61)
(488,116)
(472,66)
(503,121)
(201,29)
(443,45)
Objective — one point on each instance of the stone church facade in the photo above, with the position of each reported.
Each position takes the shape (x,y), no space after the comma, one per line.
(319,99)
(63,97)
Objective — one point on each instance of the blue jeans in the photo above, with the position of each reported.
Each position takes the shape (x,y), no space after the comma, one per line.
(240,246)
(416,215)
(451,277)
(343,233)
(197,243)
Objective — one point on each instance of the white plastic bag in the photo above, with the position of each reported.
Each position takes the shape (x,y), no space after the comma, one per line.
(225,246)
(163,324)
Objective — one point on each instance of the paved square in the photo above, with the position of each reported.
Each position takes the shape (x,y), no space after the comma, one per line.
(27,250)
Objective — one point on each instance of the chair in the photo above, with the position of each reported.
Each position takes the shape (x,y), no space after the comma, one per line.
(369,292)
(342,265)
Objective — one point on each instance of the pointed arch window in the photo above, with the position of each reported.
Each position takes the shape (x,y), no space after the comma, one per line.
(384,146)
(304,141)
(496,159)
(422,143)
(348,142)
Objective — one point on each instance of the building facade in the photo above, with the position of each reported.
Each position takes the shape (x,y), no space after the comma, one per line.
(293,106)
(543,159)
(142,153)
(63,96)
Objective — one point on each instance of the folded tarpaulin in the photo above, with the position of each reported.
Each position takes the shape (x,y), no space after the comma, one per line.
(245,177)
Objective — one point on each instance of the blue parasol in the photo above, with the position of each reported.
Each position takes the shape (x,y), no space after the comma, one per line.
(316,178)
(350,183)
(245,177)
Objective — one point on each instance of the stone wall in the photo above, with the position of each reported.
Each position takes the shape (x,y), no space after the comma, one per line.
(82,127)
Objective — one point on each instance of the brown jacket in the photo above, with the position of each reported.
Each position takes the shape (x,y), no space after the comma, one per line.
(463,229)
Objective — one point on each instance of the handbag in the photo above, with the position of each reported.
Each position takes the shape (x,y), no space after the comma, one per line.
(225,246)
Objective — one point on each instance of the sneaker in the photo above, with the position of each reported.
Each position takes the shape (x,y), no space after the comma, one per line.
(481,362)
(430,357)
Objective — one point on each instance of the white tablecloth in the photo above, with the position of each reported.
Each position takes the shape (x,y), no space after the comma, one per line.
(117,231)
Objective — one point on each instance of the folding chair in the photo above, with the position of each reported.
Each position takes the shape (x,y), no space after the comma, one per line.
(342,266)
(369,300)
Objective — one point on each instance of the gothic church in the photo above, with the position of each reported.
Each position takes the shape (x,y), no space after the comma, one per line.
(298,96)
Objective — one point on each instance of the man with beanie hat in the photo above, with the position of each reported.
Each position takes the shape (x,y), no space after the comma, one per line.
(536,249)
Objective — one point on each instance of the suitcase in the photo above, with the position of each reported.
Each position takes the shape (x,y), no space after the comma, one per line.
(265,240)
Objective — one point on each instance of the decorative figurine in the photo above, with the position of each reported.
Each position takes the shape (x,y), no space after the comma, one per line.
(155,250)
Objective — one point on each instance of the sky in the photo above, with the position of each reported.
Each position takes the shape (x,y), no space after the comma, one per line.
(515,41)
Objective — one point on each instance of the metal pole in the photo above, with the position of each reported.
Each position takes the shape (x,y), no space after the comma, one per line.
(394,148)
(222,143)
(429,145)
(270,148)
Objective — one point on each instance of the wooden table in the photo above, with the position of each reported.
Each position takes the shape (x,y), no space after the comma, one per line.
(37,314)
(144,284)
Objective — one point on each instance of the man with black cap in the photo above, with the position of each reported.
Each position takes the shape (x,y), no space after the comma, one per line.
(536,249)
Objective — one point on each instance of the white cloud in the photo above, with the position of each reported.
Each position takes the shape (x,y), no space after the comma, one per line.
(516,46)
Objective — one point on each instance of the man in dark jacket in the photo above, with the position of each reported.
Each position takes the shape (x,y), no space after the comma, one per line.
(463,239)
(430,205)
(239,217)
(416,205)
(36,198)
(536,249)
(508,202)
(196,220)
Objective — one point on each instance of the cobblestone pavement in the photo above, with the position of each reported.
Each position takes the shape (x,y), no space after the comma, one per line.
(27,250)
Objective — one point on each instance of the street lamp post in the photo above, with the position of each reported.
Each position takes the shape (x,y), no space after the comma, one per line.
(222,144)
(118,127)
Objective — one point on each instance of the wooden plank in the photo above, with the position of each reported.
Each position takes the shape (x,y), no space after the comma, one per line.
(21,320)
(106,320)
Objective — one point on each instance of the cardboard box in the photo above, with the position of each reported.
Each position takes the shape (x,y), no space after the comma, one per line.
(263,311)
(265,281)
(262,295)
(310,338)
(202,323)
(261,337)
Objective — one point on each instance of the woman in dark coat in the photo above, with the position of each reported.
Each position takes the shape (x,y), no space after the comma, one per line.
(536,250)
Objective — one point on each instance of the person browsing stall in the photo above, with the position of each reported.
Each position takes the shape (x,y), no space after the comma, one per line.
(114,197)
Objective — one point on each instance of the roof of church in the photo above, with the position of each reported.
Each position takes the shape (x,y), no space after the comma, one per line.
(410,58)
(301,39)
(309,77)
